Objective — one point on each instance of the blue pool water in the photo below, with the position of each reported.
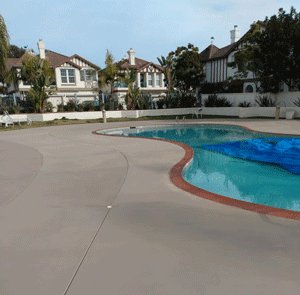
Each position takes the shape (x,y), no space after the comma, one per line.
(235,174)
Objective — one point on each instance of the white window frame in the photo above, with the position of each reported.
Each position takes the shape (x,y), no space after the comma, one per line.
(158,79)
(84,74)
(67,78)
(150,81)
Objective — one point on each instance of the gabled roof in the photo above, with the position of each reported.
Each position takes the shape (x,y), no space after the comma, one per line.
(10,62)
(85,60)
(140,64)
(208,52)
(212,52)
(55,59)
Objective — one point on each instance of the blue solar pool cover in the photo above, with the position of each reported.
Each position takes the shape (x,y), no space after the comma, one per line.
(281,151)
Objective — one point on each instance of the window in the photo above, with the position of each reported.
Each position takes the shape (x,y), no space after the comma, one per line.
(71,76)
(67,76)
(87,75)
(157,79)
(63,74)
(249,89)
(81,75)
(150,79)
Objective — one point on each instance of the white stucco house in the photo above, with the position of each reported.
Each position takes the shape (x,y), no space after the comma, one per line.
(74,76)
(215,61)
(149,78)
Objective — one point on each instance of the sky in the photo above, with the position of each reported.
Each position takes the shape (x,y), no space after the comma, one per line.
(152,28)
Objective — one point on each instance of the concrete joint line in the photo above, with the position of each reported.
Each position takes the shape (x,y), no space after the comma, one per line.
(94,237)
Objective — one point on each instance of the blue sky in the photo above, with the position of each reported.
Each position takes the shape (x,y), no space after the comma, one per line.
(151,27)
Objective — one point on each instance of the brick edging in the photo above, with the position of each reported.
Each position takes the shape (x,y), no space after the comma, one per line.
(177,178)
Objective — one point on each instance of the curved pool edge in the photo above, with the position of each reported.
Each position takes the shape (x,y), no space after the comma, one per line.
(177,178)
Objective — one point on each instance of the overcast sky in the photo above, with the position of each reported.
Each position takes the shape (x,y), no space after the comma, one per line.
(151,27)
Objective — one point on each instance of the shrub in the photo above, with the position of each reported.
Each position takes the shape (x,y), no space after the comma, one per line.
(213,101)
(120,107)
(14,109)
(297,102)
(3,109)
(144,101)
(160,103)
(265,101)
(71,106)
(49,107)
(187,100)
(244,104)
(60,107)
(99,107)
(89,107)
(80,107)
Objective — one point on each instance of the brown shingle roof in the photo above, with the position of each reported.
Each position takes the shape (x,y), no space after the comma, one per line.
(140,64)
(10,62)
(208,52)
(19,61)
(224,51)
(85,60)
(55,58)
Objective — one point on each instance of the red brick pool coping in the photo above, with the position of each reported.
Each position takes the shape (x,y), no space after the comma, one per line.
(178,180)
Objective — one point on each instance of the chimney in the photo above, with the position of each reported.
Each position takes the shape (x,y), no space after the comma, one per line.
(41,47)
(131,54)
(235,34)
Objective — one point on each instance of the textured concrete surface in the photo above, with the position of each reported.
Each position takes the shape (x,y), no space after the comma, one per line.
(58,236)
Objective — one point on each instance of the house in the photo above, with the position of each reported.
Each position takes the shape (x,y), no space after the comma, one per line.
(75,77)
(149,78)
(216,59)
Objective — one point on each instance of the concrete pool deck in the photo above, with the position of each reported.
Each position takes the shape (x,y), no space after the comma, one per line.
(87,214)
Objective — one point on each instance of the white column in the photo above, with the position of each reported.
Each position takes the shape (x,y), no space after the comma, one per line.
(154,80)
(162,80)
(139,80)
(146,80)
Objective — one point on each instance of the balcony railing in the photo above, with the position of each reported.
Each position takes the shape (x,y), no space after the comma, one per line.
(120,85)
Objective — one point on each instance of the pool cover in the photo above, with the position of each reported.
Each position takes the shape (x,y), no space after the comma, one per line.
(281,151)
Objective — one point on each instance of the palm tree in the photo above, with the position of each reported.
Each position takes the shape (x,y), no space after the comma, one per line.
(4,45)
(129,77)
(131,98)
(168,64)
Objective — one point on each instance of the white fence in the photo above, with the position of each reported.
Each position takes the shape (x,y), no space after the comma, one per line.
(284,99)
(232,111)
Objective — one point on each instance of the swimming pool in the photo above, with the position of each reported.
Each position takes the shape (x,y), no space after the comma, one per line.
(227,175)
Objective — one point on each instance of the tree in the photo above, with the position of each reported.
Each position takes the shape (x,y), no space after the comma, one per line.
(280,48)
(188,72)
(247,59)
(168,64)
(131,98)
(15,51)
(133,91)
(37,73)
(4,45)
(273,54)
(111,73)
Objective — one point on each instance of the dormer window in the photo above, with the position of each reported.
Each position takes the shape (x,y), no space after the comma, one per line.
(67,76)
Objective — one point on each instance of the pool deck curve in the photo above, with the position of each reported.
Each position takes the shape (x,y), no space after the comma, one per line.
(87,214)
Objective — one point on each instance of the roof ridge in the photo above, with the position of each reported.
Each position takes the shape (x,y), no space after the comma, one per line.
(56,52)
